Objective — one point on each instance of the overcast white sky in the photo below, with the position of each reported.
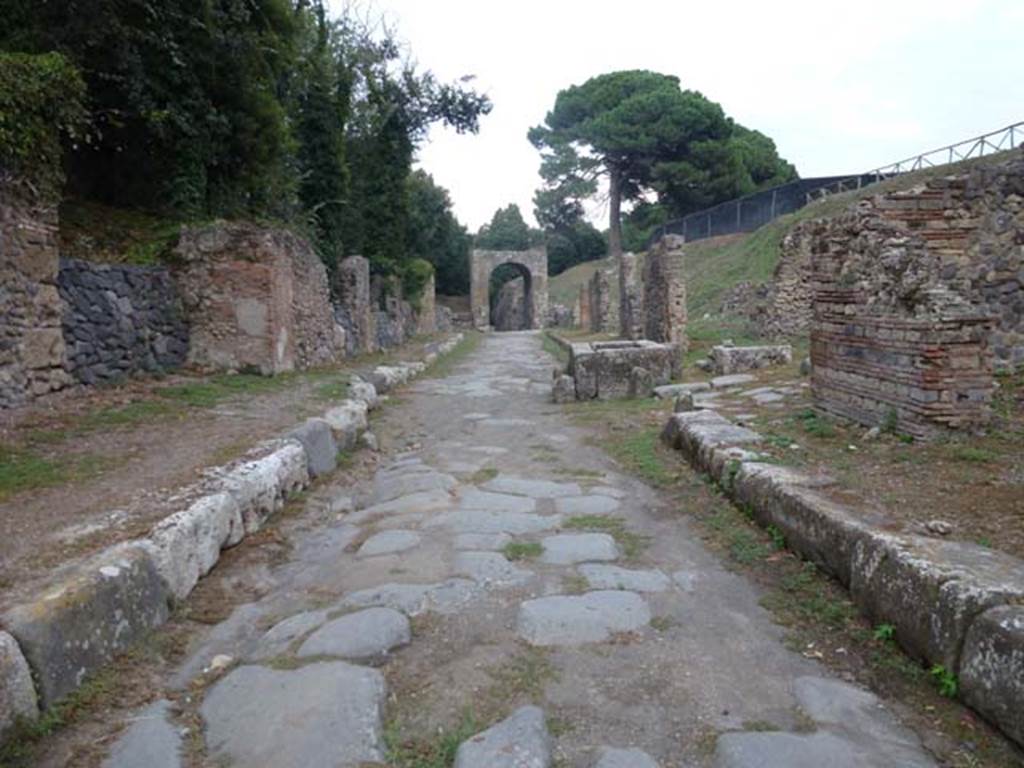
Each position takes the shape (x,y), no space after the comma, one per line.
(840,86)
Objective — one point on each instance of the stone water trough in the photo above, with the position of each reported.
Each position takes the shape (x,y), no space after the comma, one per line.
(608,370)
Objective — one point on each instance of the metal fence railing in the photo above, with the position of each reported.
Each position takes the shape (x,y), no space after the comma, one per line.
(1010,137)
(745,214)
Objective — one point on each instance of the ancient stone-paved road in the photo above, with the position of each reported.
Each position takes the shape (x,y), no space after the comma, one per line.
(591,655)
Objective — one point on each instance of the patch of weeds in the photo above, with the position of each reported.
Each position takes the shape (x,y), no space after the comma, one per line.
(578,472)
(815,424)
(884,633)
(662,623)
(331,390)
(641,452)
(559,726)
(24,471)
(523,550)
(891,422)
(985,541)
(21,743)
(125,415)
(779,441)
(556,350)
(445,365)
(947,681)
(630,544)
(483,475)
(438,751)
(974,455)
(778,537)
(574,584)
(761,726)
(524,675)
(745,547)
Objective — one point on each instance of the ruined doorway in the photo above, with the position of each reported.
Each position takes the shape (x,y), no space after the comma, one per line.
(532,266)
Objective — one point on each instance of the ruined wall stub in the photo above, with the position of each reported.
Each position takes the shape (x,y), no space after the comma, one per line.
(892,341)
(600,302)
(583,321)
(426,314)
(354,304)
(483,263)
(255,297)
(664,301)
(31,340)
(631,319)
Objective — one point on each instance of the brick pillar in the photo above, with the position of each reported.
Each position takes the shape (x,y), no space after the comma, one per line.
(631,324)
(664,299)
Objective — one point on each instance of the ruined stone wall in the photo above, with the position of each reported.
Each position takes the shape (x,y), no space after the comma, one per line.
(255,297)
(631,318)
(891,343)
(972,221)
(426,312)
(353,304)
(664,297)
(119,320)
(510,308)
(31,340)
(583,302)
(599,298)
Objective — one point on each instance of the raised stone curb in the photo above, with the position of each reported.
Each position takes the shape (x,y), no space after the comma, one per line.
(944,598)
(101,609)
(106,604)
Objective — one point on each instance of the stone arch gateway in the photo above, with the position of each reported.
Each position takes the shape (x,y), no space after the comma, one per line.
(533,261)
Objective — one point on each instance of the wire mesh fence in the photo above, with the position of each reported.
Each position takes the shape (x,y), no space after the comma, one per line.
(745,214)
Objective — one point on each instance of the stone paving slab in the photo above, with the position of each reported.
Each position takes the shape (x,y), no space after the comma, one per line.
(520,741)
(483,542)
(425,501)
(490,568)
(415,599)
(279,638)
(732,380)
(595,504)
(389,542)
(625,758)
(473,521)
(614,577)
(361,635)
(150,741)
(536,489)
(486,501)
(570,548)
(575,620)
(392,486)
(322,714)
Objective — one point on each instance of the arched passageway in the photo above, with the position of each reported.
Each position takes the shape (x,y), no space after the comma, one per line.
(533,267)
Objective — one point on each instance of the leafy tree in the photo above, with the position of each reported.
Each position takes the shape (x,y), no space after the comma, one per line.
(436,235)
(643,134)
(507,231)
(570,238)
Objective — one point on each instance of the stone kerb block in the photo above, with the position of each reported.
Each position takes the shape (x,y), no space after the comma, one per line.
(102,608)
(347,421)
(992,668)
(186,545)
(17,692)
(728,360)
(260,486)
(318,442)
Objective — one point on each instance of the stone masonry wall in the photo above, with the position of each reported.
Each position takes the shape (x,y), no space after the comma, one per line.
(426,314)
(972,222)
(120,320)
(599,298)
(891,342)
(664,300)
(255,297)
(631,318)
(31,341)
(353,304)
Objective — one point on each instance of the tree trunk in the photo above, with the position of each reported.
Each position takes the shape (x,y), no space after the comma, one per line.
(614,213)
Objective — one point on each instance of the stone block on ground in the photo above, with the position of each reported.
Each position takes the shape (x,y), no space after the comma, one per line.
(625,758)
(564,389)
(389,542)
(641,383)
(732,380)
(17,692)
(360,635)
(347,420)
(575,620)
(318,442)
(536,489)
(570,548)
(322,714)
(730,360)
(186,545)
(669,391)
(362,390)
(67,632)
(932,589)
(520,741)
(261,485)
(150,741)
(992,668)
(601,576)
(490,568)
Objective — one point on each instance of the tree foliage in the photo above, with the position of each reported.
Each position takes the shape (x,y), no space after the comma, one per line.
(436,235)
(506,231)
(645,135)
(259,108)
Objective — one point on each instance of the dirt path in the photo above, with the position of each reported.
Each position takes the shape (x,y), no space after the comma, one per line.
(498,570)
